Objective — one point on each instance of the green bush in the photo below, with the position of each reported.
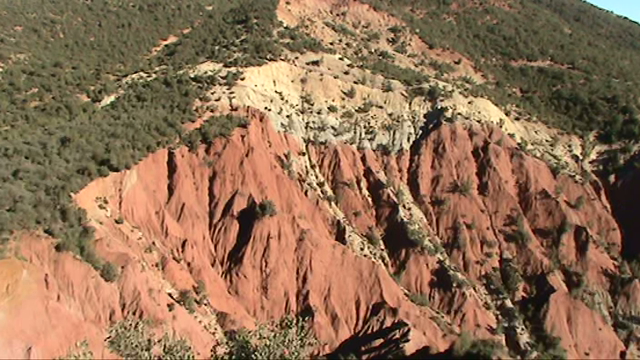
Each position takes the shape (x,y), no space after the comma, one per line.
(351,93)
(340,28)
(389,70)
(387,86)
(348,115)
(579,203)
(288,339)
(520,235)
(297,41)
(463,187)
(372,237)
(109,272)
(419,299)
(131,339)
(415,234)
(365,107)
(265,208)
(466,347)
(564,228)
(459,237)
(511,277)
(186,299)
(80,351)
(200,288)
(174,349)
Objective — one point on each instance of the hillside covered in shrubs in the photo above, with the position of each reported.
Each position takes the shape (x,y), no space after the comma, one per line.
(590,80)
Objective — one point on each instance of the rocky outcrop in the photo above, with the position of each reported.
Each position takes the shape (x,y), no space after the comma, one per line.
(385,253)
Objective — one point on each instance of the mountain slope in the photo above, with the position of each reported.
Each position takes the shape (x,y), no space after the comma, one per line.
(317,159)
(588,80)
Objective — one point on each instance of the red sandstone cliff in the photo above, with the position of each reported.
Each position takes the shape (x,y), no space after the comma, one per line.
(187,217)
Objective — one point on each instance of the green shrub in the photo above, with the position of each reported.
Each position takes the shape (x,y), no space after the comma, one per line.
(348,115)
(186,299)
(351,93)
(288,339)
(372,36)
(511,277)
(174,349)
(200,288)
(419,299)
(387,86)
(407,76)
(131,339)
(297,41)
(340,29)
(415,234)
(109,272)
(564,228)
(332,108)
(80,351)
(459,240)
(441,202)
(365,107)
(520,235)
(466,347)
(266,208)
(441,67)
(434,92)
(316,62)
(579,203)
(463,187)
(372,237)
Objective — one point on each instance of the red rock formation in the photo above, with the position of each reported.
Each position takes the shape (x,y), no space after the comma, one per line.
(191,216)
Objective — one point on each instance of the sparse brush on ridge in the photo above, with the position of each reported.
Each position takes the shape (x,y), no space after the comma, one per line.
(289,339)
(556,94)
(419,299)
(186,299)
(467,347)
(132,339)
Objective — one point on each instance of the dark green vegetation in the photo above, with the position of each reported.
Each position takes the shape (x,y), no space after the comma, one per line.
(266,208)
(132,339)
(594,84)
(468,348)
(289,338)
(53,53)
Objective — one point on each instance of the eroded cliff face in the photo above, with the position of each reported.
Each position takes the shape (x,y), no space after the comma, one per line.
(432,237)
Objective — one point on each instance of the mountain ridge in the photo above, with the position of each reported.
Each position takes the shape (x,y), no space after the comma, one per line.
(357,181)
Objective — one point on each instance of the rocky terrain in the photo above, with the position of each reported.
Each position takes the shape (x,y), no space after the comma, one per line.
(393,220)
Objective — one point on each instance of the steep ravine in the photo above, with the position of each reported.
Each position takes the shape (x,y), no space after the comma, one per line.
(356,234)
